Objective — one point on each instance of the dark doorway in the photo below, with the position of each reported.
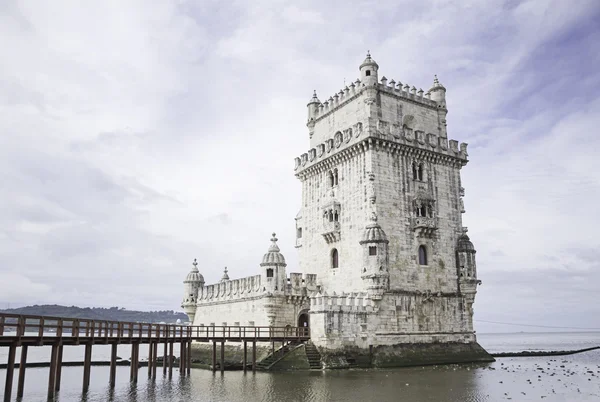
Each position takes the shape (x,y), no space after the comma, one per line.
(303,320)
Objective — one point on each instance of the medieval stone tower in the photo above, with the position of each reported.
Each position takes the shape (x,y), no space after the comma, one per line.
(381,218)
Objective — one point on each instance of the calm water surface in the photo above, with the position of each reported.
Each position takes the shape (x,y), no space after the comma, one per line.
(570,378)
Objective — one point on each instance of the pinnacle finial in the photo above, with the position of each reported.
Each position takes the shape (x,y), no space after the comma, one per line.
(273,238)
(195,263)
(225,270)
(368,53)
(435,80)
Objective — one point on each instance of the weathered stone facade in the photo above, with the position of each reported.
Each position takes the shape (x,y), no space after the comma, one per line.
(385,257)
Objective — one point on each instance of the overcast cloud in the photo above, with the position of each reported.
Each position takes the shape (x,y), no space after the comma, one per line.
(136,136)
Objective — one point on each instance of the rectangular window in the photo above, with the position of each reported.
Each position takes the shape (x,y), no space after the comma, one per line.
(372,250)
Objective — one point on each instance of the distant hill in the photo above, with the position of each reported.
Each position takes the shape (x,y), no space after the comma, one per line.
(98,313)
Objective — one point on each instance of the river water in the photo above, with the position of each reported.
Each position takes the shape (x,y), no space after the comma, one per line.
(560,378)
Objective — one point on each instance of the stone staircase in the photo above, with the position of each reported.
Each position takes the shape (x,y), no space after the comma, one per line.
(313,356)
(270,360)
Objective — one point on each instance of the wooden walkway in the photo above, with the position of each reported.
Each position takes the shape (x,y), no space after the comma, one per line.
(25,331)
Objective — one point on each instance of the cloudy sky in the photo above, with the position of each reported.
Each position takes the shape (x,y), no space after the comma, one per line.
(136,136)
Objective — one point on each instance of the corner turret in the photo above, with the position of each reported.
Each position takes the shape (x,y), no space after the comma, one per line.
(368,71)
(375,272)
(438,94)
(273,269)
(192,284)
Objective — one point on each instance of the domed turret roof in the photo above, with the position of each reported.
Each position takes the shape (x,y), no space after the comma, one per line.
(369,61)
(436,84)
(273,256)
(464,243)
(314,99)
(374,234)
(194,275)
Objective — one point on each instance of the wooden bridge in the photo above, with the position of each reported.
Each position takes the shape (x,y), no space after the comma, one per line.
(26,330)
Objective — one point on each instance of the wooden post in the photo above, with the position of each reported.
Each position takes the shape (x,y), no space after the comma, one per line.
(10,367)
(245,356)
(59,359)
(154,354)
(52,375)
(214,357)
(222,356)
(181,358)
(171,359)
(165,360)
(87,364)
(188,363)
(132,362)
(254,356)
(136,346)
(22,366)
(113,365)
(150,351)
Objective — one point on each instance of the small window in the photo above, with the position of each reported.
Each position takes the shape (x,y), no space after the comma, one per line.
(372,250)
(334,258)
(330,216)
(331,180)
(420,172)
(422,255)
(335,216)
(368,73)
(335,177)
(269,272)
(414,171)
(299,233)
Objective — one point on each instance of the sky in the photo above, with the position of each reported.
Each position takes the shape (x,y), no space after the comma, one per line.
(136,136)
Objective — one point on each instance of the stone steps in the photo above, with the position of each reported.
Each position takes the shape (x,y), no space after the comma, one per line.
(313,356)
(266,363)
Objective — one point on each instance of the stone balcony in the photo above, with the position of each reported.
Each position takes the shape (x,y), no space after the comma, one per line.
(331,231)
(424,226)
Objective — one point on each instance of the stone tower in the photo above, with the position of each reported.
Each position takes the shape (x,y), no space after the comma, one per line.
(381,218)
(191,285)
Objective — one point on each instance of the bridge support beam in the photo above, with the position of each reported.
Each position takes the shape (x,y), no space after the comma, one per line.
(113,365)
(10,367)
(155,355)
(254,356)
(171,359)
(165,359)
(150,350)
(87,365)
(222,356)
(214,357)
(22,366)
(52,374)
(244,363)
(188,363)
(59,359)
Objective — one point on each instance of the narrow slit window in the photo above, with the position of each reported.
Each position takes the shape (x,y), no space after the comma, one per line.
(422,255)
(334,258)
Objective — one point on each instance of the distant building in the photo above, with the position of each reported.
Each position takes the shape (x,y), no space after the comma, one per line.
(387,269)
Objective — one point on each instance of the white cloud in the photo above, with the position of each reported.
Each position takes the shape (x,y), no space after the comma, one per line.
(137,136)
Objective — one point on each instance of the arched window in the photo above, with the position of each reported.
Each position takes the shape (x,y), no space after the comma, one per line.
(420,172)
(330,215)
(269,272)
(334,258)
(335,177)
(335,216)
(414,171)
(331,179)
(422,255)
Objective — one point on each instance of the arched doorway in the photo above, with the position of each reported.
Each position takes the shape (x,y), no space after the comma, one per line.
(303,321)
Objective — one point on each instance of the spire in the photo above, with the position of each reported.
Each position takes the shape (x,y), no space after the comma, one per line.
(314,98)
(368,61)
(225,277)
(195,264)
(274,248)
(437,84)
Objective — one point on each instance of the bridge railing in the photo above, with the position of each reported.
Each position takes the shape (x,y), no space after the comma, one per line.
(16,325)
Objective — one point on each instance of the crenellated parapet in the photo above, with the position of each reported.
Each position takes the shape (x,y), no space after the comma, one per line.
(354,140)
(231,290)
(252,287)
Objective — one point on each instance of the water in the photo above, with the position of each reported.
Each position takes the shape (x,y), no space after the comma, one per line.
(516,379)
